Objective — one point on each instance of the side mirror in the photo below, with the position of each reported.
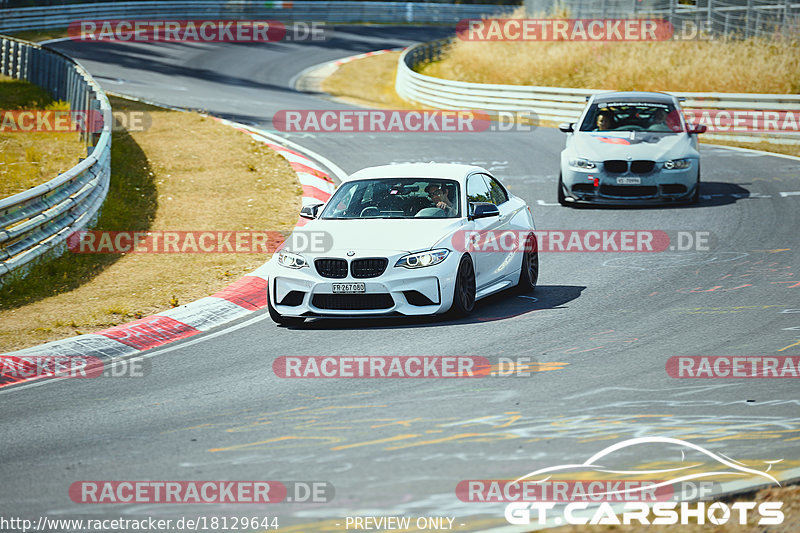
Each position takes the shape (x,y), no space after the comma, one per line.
(310,211)
(483,210)
(697,128)
(567,127)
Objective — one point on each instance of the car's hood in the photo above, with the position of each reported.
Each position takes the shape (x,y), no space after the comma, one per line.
(405,235)
(597,146)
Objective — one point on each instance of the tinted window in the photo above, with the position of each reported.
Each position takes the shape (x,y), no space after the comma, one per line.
(395,198)
(633,116)
(478,190)
(499,194)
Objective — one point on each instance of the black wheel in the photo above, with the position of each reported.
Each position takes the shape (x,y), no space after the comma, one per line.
(561,198)
(279,318)
(529,273)
(696,196)
(464,293)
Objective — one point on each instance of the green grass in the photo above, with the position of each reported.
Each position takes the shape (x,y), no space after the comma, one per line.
(130,205)
(19,94)
(40,35)
(28,159)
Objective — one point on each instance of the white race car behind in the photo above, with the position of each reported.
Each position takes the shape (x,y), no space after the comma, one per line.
(409,239)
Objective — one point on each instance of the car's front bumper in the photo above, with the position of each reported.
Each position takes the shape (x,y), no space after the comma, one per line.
(656,187)
(413,292)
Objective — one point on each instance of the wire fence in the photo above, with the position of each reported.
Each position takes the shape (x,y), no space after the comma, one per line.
(743,18)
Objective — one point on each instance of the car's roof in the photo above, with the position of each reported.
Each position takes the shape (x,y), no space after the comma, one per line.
(634,96)
(451,171)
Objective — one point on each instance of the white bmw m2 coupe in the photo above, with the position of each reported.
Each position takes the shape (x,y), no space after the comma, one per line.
(408,239)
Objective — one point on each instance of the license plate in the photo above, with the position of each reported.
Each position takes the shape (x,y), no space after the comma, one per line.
(629,181)
(349,288)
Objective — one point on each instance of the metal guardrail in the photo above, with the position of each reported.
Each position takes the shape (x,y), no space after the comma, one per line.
(37,221)
(330,12)
(554,103)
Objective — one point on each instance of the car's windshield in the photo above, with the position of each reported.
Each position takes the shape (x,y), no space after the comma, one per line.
(633,116)
(395,198)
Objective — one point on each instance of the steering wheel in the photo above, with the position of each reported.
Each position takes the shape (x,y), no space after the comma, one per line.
(370,211)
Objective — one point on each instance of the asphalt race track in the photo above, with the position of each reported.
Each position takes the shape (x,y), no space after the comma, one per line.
(212,408)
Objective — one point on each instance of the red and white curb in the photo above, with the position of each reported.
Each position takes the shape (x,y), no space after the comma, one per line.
(238,299)
(368,54)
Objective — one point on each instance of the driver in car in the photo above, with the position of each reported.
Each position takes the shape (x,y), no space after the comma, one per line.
(440,199)
(605,121)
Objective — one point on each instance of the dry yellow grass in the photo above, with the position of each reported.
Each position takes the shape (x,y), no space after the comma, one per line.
(722,65)
(367,81)
(188,173)
(28,159)
(788,149)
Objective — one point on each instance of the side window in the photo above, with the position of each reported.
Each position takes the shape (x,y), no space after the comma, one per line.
(499,194)
(477,190)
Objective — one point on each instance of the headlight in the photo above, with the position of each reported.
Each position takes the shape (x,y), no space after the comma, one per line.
(678,164)
(290,260)
(582,164)
(422,259)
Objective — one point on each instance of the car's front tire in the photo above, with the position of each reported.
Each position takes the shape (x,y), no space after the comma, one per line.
(279,318)
(464,292)
(695,199)
(561,197)
(529,273)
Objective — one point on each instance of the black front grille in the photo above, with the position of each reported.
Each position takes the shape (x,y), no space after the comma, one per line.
(331,268)
(629,190)
(352,302)
(642,166)
(368,268)
(293,298)
(615,166)
(673,188)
